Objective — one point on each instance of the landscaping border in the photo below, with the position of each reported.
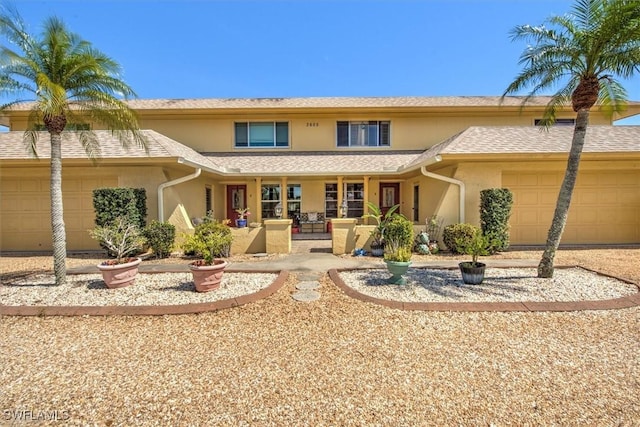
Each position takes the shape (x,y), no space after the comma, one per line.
(150,310)
(529,306)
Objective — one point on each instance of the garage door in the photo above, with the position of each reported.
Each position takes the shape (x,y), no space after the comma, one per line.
(605,207)
(25,212)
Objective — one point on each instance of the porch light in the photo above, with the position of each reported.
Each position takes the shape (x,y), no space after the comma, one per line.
(278,210)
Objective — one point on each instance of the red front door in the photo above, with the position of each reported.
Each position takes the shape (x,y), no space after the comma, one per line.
(389,195)
(236,199)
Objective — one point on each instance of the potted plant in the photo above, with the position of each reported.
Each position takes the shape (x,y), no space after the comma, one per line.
(122,239)
(243,213)
(211,240)
(397,250)
(477,245)
(377,234)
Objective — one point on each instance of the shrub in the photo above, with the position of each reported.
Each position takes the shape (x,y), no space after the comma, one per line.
(398,236)
(112,203)
(495,210)
(120,238)
(458,232)
(211,239)
(160,237)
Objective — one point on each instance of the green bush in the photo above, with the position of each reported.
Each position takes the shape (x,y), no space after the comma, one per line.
(211,239)
(495,210)
(160,237)
(398,237)
(112,203)
(454,233)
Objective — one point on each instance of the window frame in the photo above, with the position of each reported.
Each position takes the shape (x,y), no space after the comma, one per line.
(268,202)
(380,135)
(274,142)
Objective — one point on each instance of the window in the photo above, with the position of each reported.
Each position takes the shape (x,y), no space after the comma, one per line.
(363,134)
(207,199)
(331,201)
(270,198)
(559,122)
(294,198)
(354,194)
(261,134)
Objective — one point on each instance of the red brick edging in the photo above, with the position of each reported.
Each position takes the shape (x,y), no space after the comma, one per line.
(609,304)
(149,310)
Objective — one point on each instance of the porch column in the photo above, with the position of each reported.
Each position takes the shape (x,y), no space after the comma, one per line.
(258,199)
(365,196)
(340,195)
(283,197)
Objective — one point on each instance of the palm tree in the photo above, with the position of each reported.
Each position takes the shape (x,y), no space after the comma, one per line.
(585,54)
(70,83)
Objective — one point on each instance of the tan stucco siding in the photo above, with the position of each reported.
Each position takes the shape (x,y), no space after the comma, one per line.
(318,132)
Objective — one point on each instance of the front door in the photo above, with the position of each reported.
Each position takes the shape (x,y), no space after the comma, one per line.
(236,199)
(389,195)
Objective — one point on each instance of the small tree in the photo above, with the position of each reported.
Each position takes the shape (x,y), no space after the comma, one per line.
(381,221)
(121,239)
(160,236)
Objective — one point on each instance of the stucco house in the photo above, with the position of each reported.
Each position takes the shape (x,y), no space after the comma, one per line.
(432,155)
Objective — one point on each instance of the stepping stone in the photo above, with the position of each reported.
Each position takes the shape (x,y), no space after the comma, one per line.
(260,255)
(306,296)
(304,277)
(308,286)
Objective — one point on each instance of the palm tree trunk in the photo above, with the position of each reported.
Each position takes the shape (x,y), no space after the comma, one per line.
(545,268)
(57,217)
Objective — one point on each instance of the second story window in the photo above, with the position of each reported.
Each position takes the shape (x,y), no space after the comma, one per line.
(364,134)
(261,134)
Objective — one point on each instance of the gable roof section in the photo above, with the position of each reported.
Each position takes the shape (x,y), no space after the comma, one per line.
(482,140)
(159,146)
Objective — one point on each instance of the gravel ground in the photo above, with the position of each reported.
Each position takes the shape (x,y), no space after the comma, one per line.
(504,284)
(148,289)
(336,361)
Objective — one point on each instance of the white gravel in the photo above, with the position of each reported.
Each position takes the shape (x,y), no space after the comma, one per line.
(148,289)
(500,284)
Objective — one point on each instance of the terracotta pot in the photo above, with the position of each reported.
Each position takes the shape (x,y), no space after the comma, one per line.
(208,277)
(119,275)
(472,275)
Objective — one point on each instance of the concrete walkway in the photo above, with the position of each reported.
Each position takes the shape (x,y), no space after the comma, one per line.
(317,262)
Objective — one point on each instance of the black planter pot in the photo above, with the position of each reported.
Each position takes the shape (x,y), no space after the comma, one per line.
(472,275)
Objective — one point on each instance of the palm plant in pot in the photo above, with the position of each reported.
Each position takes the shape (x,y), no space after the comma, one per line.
(377,234)
(398,245)
(211,240)
(477,245)
(121,238)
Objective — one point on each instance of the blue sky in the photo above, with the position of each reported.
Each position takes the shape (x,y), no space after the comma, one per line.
(228,49)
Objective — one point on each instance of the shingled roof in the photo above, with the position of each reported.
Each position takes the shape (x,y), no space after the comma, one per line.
(476,140)
(12,147)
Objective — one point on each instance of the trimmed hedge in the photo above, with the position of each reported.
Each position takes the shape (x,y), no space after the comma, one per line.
(160,237)
(112,203)
(454,233)
(495,210)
